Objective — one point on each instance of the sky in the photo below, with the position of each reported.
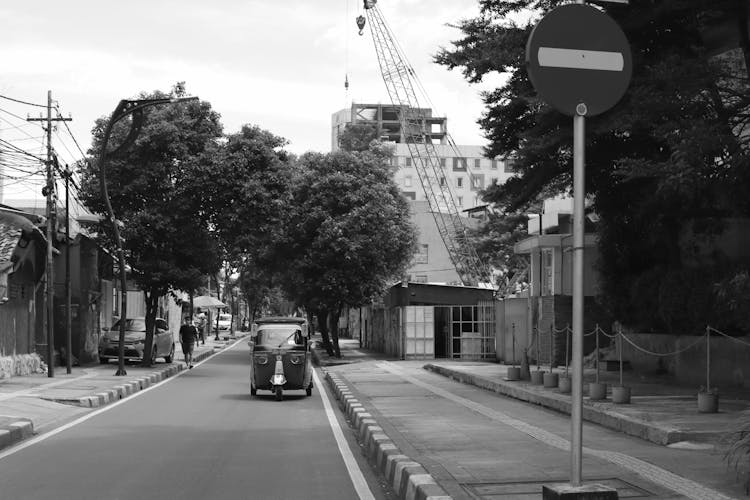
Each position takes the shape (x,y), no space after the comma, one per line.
(278,64)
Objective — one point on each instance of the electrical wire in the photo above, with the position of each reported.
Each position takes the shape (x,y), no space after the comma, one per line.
(23,102)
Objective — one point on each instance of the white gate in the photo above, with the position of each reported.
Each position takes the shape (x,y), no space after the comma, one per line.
(418,325)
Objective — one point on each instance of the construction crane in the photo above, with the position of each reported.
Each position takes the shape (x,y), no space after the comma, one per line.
(398,76)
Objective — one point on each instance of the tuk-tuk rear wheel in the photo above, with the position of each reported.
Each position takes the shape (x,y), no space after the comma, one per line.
(279,393)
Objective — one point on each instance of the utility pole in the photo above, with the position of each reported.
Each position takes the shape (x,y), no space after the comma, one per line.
(49,192)
(68,319)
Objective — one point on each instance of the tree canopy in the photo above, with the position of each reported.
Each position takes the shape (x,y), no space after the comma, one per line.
(669,160)
(164,231)
(350,236)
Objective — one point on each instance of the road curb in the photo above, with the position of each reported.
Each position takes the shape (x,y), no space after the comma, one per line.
(592,412)
(409,479)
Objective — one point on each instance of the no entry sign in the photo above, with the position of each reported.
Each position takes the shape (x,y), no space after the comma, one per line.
(578,55)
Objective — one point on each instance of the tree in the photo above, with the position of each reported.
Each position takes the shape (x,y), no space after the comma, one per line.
(350,236)
(246,191)
(165,235)
(357,137)
(494,241)
(669,157)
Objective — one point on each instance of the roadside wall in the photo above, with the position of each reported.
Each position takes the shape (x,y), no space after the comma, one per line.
(729,359)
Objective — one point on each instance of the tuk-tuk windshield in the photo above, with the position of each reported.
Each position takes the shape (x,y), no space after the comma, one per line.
(279,336)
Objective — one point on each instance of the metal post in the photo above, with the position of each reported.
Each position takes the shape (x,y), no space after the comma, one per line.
(708,359)
(579,192)
(68,320)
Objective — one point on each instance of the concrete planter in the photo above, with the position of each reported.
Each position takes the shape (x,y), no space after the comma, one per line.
(551,380)
(537,377)
(565,384)
(597,391)
(708,402)
(514,373)
(620,394)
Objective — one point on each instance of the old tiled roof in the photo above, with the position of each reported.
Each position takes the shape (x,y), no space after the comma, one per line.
(9,235)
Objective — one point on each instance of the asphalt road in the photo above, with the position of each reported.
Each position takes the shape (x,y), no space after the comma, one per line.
(199,435)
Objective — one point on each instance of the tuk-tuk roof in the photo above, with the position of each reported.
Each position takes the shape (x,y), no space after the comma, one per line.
(281,319)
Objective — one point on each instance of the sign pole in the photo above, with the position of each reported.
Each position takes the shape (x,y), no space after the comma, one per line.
(579,193)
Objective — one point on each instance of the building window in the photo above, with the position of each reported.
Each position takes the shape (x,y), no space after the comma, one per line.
(460,200)
(407,181)
(459,164)
(510,166)
(408,161)
(477,163)
(459,182)
(494,165)
(477,182)
(442,181)
(422,255)
(410,195)
(442,162)
(420,278)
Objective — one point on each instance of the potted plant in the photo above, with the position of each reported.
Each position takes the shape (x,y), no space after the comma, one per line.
(597,390)
(708,400)
(620,393)
(537,377)
(514,372)
(565,384)
(708,397)
(551,378)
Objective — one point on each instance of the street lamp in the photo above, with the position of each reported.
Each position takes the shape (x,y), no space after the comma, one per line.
(124,108)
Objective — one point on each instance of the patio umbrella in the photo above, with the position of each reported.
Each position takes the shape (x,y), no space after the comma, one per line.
(207,301)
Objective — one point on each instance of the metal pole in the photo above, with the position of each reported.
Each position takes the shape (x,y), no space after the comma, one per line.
(68,322)
(50,236)
(578,242)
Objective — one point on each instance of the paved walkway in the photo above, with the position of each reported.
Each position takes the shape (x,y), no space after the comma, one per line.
(34,403)
(446,419)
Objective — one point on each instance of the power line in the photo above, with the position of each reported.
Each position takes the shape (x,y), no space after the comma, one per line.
(22,102)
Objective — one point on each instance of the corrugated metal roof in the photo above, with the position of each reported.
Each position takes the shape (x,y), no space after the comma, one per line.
(9,235)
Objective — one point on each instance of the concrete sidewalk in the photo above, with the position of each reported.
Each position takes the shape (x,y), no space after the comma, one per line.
(36,403)
(447,447)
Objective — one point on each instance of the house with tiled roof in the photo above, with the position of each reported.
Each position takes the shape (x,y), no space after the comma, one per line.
(22,269)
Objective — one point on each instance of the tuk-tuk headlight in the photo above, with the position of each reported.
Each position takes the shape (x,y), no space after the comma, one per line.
(261,360)
(296,360)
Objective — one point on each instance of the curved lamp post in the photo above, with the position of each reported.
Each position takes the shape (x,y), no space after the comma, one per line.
(124,108)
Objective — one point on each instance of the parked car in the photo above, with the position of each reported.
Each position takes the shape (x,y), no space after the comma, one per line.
(135,337)
(225,322)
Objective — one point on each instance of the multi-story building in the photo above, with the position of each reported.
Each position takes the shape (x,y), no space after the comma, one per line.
(466,172)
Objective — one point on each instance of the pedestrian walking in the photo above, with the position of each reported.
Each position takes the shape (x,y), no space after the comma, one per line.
(188,336)
(200,323)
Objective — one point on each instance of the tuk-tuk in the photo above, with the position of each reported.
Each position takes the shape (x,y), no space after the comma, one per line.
(280,355)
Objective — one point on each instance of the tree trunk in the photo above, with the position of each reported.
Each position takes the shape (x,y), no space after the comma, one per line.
(335,331)
(152,303)
(322,315)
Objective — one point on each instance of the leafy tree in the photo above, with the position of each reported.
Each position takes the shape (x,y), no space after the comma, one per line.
(246,189)
(669,157)
(165,235)
(494,241)
(357,137)
(350,236)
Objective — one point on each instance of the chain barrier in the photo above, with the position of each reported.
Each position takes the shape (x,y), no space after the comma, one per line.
(699,340)
(710,328)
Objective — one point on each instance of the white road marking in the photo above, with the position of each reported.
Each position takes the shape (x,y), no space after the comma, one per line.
(681,485)
(358,480)
(31,442)
(551,57)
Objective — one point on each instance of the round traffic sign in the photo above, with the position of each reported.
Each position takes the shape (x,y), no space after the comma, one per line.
(577,54)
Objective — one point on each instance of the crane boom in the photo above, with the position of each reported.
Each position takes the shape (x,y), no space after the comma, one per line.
(398,76)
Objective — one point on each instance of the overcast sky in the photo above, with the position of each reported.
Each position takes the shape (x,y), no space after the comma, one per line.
(278,64)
